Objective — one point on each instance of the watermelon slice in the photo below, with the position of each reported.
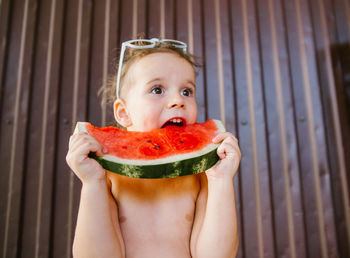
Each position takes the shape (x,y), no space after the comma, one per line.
(169,152)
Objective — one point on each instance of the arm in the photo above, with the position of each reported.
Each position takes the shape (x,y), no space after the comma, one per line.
(97,232)
(215,232)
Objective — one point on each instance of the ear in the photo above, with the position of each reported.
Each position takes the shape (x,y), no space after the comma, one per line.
(121,113)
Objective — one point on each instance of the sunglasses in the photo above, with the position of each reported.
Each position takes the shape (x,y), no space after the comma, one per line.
(142,44)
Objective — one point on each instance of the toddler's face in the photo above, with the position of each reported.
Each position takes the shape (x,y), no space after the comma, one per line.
(160,87)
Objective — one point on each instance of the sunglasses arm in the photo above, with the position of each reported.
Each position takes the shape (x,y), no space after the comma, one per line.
(119,69)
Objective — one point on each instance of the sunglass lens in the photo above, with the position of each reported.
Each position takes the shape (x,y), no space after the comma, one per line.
(174,43)
(142,43)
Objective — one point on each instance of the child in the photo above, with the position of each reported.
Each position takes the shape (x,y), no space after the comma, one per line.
(190,216)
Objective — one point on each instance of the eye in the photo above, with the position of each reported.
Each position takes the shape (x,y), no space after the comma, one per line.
(187,92)
(157,90)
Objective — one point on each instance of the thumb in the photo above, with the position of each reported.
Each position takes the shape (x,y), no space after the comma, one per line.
(101,151)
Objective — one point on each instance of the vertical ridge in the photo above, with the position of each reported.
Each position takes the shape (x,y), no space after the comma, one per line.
(44,126)
(15,126)
(190,26)
(309,111)
(278,88)
(162,19)
(105,59)
(134,18)
(219,60)
(335,116)
(347,13)
(74,120)
(205,69)
(253,130)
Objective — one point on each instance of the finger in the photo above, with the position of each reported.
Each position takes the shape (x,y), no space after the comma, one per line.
(78,141)
(101,151)
(222,151)
(86,144)
(85,148)
(97,148)
(75,138)
(222,136)
(229,141)
(228,150)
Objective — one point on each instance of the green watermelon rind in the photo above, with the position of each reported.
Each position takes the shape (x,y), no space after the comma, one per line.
(170,167)
(186,167)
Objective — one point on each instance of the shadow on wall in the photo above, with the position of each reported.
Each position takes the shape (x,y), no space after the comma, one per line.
(341,68)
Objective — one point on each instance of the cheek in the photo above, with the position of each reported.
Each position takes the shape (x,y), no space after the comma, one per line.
(194,109)
(147,113)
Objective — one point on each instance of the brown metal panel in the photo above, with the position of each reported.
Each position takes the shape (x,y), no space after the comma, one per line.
(224,35)
(254,174)
(105,54)
(182,21)
(126,25)
(141,17)
(61,182)
(48,147)
(80,102)
(274,71)
(198,51)
(225,50)
(4,20)
(4,29)
(37,195)
(14,126)
(325,37)
(188,27)
(100,43)
(211,65)
(154,18)
(73,106)
(314,165)
(340,53)
(112,60)
(104,60)
(169,19)
(284,169)
(249,235)
(341,67)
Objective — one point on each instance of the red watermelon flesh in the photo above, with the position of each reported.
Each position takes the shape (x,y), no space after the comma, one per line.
(155,144)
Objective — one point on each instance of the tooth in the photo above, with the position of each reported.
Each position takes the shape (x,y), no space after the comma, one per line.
(179,121)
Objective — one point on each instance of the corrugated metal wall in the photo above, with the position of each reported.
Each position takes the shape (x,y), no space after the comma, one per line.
(277,72)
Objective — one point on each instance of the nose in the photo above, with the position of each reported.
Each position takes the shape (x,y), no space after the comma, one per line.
(176,101)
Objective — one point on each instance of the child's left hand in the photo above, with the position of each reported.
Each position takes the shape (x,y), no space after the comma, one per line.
(229,154)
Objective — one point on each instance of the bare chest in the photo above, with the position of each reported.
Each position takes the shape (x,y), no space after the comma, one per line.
(156,213)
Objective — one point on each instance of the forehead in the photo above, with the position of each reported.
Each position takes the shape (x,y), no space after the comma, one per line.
(162,64)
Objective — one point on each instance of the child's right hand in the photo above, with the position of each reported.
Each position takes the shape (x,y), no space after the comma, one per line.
(87,169)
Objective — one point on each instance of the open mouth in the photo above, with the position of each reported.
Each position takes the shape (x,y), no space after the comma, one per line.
(174,121)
